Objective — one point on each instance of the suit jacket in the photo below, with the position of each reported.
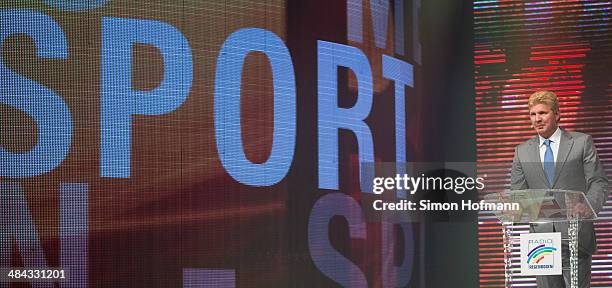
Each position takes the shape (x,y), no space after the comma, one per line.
(577,168)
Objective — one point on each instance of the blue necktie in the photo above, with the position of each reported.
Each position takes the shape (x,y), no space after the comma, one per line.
(549,163)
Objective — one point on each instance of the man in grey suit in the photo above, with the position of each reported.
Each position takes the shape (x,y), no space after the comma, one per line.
(558,159)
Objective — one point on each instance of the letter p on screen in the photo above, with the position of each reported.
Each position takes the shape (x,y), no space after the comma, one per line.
(120,101)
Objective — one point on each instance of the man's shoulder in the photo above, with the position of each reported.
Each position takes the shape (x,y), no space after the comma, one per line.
(528,142)
(577,135)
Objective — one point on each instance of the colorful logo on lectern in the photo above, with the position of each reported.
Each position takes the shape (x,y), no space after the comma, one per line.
(541,254)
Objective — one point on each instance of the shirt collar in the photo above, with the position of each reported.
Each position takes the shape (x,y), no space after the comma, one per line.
(555,138)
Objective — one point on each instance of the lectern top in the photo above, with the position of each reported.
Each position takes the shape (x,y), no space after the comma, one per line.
(543,205)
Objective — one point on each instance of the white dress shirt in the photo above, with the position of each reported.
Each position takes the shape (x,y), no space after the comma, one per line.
(555,140)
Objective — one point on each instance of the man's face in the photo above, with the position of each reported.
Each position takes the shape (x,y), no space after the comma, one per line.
(543,119)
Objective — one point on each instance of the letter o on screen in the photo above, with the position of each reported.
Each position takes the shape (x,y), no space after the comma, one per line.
(227,107)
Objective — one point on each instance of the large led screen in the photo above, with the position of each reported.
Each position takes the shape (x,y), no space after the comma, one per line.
(206,143)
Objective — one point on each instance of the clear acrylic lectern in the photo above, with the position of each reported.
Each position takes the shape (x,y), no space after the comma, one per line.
(542,206)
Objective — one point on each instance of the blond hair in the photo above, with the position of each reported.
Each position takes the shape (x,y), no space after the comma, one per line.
(544,97)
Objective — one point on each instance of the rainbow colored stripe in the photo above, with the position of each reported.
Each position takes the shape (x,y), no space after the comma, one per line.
(537,254)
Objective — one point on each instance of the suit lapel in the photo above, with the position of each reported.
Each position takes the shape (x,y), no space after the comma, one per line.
(565,146)
(534,153)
